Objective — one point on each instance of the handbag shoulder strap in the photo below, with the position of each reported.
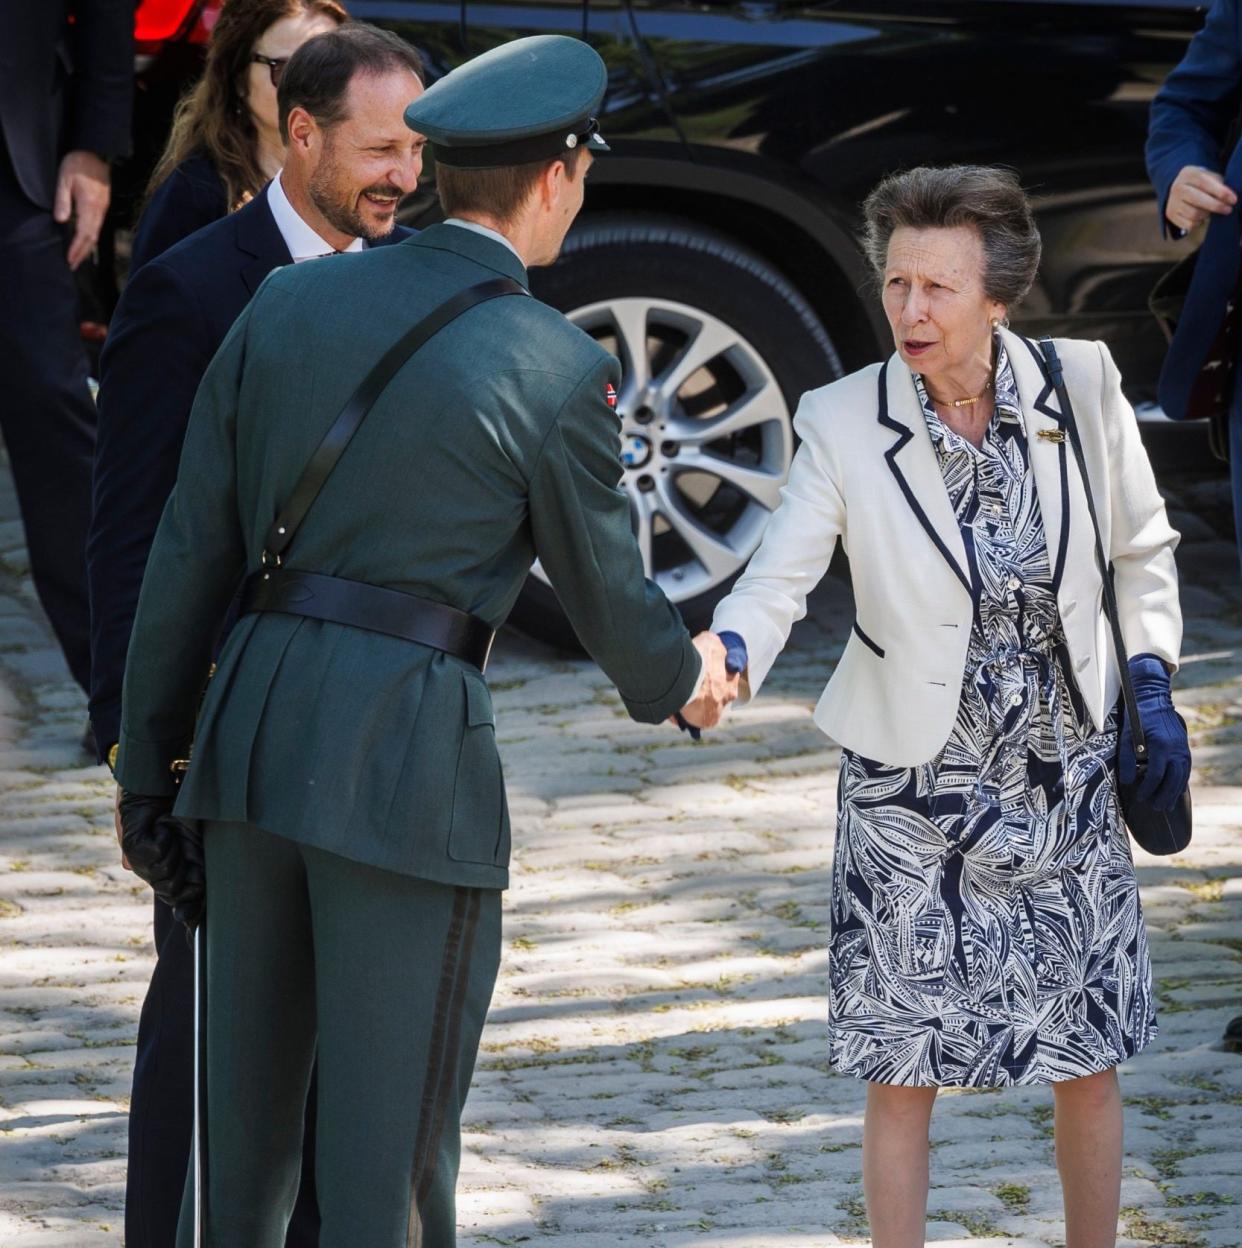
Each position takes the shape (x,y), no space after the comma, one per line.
(328,453)
(1056,375)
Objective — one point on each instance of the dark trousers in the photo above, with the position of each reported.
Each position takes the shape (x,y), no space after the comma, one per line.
(161,1110)
(47,416)
(385,980)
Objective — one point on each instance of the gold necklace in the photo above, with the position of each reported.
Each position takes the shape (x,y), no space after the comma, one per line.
(969,402)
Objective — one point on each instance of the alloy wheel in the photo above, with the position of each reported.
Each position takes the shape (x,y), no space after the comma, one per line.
(706,438)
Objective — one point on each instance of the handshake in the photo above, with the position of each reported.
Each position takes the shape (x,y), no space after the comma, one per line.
(724,660)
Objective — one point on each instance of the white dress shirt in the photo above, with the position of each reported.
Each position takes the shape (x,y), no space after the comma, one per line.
(302,241)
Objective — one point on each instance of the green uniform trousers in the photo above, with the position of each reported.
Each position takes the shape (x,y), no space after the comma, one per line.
(386,979)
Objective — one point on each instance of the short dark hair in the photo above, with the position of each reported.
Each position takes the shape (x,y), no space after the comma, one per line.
(987,199)
(318,75)
(497,193)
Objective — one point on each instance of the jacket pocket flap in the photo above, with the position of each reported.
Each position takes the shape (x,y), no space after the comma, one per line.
(478,704)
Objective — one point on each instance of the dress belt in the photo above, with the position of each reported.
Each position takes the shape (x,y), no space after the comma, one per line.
(378,610)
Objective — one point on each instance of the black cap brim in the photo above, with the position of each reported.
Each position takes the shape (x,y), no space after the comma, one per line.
(522,151)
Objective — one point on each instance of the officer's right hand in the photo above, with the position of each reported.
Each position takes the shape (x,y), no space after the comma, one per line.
(719,686)
(1195,195)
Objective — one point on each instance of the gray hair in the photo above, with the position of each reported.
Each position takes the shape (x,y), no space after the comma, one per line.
(989,200)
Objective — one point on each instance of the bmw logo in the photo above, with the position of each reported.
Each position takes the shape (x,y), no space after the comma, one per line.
(635,450)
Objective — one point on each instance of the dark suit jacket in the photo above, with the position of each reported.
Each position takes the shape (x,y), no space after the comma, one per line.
(171,317)
(191,197)
(63,86)
(1191,117)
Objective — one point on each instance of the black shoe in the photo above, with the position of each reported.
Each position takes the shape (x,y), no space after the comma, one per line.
(1233,1035)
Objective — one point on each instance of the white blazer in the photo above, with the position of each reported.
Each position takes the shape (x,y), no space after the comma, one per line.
(866,472)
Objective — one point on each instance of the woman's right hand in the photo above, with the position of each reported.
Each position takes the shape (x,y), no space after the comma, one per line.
(719,686)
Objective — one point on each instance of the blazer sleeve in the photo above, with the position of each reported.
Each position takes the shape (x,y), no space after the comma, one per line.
(1193,110)
(580,521)
(103,78)
(158,347)
(196,562)
(191,197)
(1142,541)
(797,547)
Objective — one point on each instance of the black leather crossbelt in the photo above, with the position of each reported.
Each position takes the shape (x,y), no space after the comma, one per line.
(379,610)
(332,598)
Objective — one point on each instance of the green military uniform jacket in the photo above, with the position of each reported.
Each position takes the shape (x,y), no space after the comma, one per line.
(493,446)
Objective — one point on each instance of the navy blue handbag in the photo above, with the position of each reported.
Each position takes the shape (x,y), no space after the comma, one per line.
(1157,831)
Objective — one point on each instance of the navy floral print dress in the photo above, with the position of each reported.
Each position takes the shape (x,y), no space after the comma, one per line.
(986,925)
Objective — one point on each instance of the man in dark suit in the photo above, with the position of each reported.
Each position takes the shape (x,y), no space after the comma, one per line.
(1193,116)
(338,191)
(66,92)
(1198,181)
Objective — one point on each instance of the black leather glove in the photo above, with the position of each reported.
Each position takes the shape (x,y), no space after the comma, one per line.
(191,900)
(165,852)
(1168,748)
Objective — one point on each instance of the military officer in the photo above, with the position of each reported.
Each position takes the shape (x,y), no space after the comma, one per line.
(345,775)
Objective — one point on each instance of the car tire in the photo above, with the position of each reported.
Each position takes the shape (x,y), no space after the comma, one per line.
(676,279)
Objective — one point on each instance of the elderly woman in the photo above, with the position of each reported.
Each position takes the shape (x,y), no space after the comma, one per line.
(987,929)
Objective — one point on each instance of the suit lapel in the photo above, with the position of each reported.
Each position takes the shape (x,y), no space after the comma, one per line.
(259,238)
(1048,455)
(912,461)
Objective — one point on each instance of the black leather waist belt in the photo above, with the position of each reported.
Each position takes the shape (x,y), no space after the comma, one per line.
(378,610)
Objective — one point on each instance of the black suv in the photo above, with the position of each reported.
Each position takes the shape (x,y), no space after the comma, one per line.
(718,256)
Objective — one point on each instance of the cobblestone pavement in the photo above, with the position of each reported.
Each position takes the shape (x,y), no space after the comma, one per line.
(653,1070)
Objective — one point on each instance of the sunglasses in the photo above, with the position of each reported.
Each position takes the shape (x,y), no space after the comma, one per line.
(275,65)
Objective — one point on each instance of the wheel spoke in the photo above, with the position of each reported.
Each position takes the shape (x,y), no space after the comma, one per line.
(630,318)
(712,339)
(756,407)
(642,517)
(718,558)
(760,484)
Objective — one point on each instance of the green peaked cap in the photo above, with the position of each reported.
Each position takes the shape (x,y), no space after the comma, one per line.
(527,100)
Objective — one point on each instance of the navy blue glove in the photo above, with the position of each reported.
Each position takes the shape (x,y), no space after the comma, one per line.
(1168,748)
(736,660)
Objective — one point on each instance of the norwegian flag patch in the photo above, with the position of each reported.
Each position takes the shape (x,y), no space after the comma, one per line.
(610,394)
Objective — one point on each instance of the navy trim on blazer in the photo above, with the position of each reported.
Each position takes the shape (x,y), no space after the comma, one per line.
(867,641)
(1041,405)
(890,455)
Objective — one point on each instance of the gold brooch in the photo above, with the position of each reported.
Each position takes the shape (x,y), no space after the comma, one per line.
(1051,435)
